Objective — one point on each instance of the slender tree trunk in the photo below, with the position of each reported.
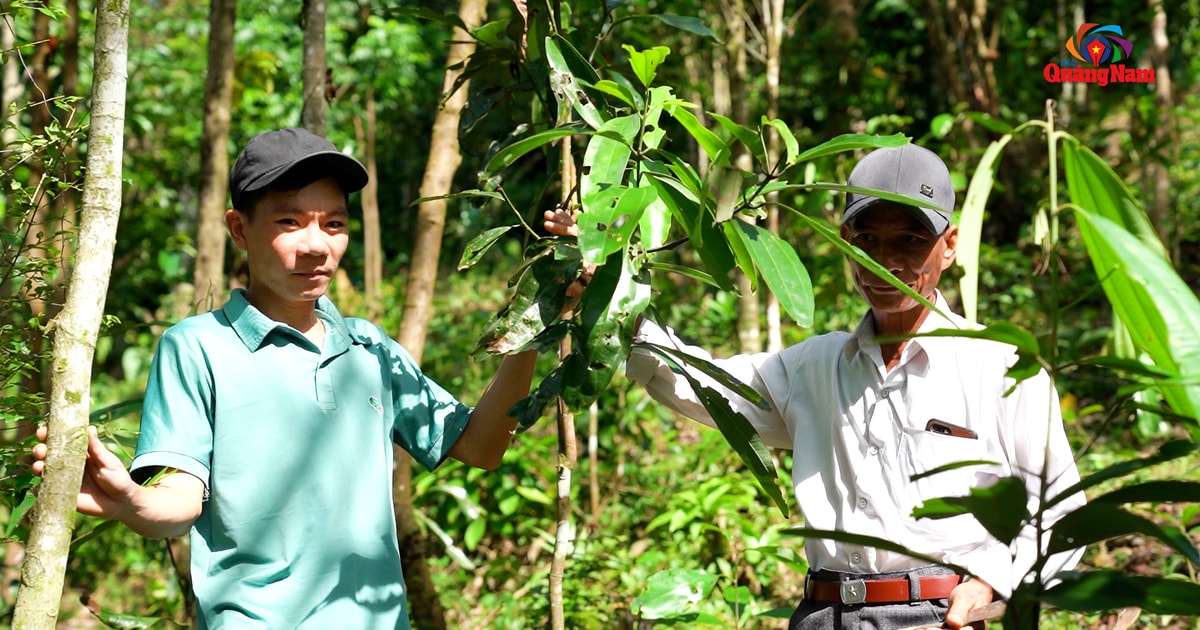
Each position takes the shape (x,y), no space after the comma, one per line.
(1161,145)
(364,129)
(568,451)
(76,329)
(443,161)
(209,270)
(729,100)
(312,117)
(773,29)
(12,87)
(42,226)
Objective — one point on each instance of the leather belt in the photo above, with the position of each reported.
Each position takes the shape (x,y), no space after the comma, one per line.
(881,591)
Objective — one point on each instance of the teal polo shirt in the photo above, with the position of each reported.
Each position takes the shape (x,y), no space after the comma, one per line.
(294,446)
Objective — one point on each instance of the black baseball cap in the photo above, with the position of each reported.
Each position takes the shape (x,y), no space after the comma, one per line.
(273,155)
(912,171)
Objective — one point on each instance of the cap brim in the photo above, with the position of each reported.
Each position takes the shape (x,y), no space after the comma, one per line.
(933,220)
(349,173)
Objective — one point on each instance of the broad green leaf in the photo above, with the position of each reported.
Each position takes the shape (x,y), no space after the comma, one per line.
(713,371)
(537,302)
(528,410)
(689,272)
(850,142)
(709,141)
(748,137)
(652,130)
(791,145)
(869,541)
(612,88)
(738,432)
(645,62)
(941,125)
(986,121)
(607,158)
(535,494)
(18,513)
(709,244)
(1103,520)
(655,224)
(608,312)
(1096,188)
(1161,491)
(609,219)
(1112,589)
(687,23)
(629,89)
(741,255)
(782,270)
(970,226)
(1167,452)
(672,593)
(474,533)
(509,154)
(565,63)
(1000,508)
(480,245)
(1160,311)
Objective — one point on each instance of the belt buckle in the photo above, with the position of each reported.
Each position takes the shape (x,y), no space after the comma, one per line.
(853,591)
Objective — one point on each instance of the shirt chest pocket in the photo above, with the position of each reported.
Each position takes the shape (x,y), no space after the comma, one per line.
(957,461)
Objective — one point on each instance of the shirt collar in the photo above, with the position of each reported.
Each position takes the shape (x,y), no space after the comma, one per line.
(253,327)
(863,336)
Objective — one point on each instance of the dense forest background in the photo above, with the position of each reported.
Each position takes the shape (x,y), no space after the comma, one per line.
(653,492)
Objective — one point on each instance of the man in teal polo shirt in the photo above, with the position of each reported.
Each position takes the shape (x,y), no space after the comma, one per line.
(267,427)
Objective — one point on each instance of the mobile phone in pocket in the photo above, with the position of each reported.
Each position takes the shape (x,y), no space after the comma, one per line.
(941,427)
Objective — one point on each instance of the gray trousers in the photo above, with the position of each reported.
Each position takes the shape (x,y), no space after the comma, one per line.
(814,615)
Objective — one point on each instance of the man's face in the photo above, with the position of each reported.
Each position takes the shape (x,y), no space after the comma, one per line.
(893,237)
(293,244)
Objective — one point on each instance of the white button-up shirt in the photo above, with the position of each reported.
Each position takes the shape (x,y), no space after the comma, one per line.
(858,434)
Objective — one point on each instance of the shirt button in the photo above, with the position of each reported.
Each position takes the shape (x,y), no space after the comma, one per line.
(874,450)
(884,393)
(862,503)
(855,557)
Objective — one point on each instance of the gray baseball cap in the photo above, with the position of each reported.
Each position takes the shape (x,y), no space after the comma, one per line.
(273,155)
(912,171)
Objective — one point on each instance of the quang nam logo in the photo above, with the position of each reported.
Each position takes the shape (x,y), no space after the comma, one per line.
(1099,55)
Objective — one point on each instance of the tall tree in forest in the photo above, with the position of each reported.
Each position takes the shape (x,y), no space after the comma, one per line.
(1161,148)
(209,272)
(773,29)
(364,132)
(76,328)
(42,225)
(316,69)
(443,161)
(11,86)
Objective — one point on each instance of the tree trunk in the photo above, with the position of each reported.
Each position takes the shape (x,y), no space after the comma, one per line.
(443,161)
(42,226)
(773,29)
(76,329)
(1161,146)
(568,450)
(209,271)
(12,87)
(364,130)
(312,117)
